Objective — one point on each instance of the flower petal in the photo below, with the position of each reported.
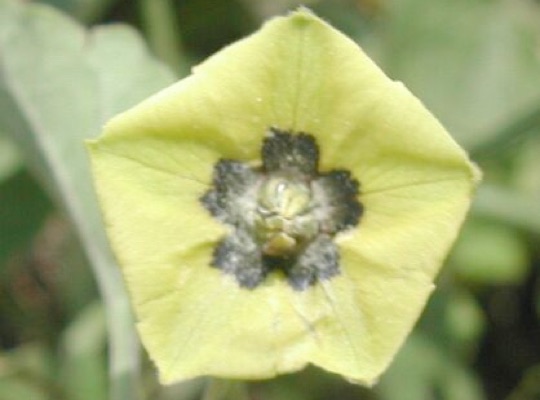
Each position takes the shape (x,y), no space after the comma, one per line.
(411,228)
(374,308)
(208,326)
(151,213)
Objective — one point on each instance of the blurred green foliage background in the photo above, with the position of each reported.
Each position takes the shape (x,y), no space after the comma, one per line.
(66,69)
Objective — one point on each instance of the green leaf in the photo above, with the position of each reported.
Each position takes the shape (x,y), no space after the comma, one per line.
(473,62)
(58,84)
(454,320)
(26,374)
(490,253)
(508,206)
(10,161)
(423,369)
(522,130)
(83,345)
(464,321)
(528,165)
(83,10)
(24,209)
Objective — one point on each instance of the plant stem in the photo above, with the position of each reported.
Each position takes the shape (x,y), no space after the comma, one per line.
(515,132)
(224,389)
(123,341)
(161,28)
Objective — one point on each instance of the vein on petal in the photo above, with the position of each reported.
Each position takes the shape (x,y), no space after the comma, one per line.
(329,297)
(203,309)
(408,185)
(153,167)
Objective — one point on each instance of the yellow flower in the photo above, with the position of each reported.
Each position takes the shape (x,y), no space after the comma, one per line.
(286,204)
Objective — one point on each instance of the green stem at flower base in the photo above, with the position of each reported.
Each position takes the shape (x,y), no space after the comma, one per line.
(224,389)
(161,29)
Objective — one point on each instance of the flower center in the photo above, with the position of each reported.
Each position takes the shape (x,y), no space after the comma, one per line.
(282,216)
(283,222)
